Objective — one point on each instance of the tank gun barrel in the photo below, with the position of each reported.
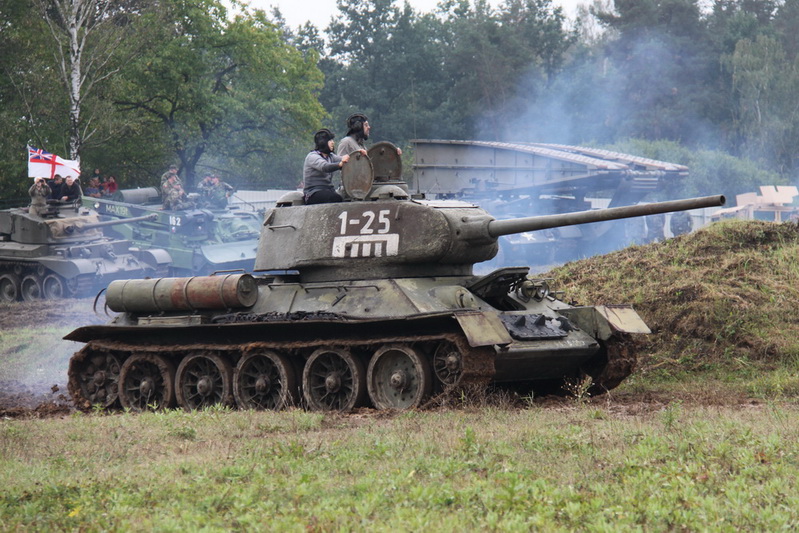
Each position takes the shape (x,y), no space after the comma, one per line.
(88,227)
(498,228)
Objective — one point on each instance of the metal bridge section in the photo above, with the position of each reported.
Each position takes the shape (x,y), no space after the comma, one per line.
(494,170)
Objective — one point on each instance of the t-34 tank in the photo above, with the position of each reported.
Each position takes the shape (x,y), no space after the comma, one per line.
(367,302)
(64,253)
(200,241)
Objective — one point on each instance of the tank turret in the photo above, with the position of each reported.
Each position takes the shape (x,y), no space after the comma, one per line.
(371,301)
(413,238)
(66,253)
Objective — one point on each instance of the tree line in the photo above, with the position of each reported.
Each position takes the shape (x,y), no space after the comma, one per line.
(131,86)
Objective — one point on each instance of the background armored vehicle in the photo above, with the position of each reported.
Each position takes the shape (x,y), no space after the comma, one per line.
(369,301)
(65,254)
(200,241)
(512,179)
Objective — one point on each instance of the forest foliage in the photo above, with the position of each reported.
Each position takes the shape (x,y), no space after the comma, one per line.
(219,87)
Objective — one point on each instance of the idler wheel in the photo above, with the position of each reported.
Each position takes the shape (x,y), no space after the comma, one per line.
(203,380)
(147,382)
(265,380)
(9,287)
(398,377)
(448,363)
(94,378)
(333,380)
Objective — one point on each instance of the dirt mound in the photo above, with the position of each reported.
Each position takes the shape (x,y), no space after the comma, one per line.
(726,292)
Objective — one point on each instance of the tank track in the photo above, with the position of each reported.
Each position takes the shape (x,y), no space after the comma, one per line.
(94,370)
(618,363)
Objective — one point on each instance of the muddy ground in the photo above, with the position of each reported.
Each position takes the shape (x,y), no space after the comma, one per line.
(41,398)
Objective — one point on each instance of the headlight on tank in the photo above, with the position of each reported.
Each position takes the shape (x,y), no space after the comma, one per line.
(537,289)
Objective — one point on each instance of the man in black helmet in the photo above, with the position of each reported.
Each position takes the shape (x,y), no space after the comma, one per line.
(358,129)
(317,172)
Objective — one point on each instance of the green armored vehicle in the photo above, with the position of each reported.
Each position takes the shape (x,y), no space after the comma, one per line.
(372,301)
(200,241)
(64,253)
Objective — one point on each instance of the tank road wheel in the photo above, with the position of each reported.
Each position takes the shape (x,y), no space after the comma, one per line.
(31,288)
(265,380)
(9,287)
(448,363)
(333,380)
(398,378)
(94,379)
(204,380)
(146,381)
(53,287)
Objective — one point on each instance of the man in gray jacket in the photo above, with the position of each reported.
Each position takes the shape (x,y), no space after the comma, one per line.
(358,129)
(317,172)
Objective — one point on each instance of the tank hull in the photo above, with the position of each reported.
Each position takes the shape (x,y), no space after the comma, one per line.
(457,338)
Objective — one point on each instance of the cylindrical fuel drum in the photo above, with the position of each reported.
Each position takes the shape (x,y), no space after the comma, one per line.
(182,294)
(144,195)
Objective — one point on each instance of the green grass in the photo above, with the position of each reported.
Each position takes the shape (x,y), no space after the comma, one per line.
(573,468)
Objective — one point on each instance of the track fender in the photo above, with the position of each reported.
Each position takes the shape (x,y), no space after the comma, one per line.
(154,257)
(603,321)
(69,268)
(483,329)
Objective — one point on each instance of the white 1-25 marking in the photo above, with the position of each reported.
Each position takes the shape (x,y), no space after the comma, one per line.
(367,222)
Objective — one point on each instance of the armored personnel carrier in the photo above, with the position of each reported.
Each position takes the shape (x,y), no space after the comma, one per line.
(64,253)
(371,301)
(200,241)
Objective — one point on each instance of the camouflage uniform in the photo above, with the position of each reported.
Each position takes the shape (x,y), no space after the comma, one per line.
(215,195)
(39,193)
(165,178)
(174,198)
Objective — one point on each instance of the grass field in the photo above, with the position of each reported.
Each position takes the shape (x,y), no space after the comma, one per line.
(577,466)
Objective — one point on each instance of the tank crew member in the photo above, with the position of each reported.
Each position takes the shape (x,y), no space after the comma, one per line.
(71,191)
(173,171)
(174,197)
(215,192)
(56,187)
(358,129)
(39,193)
(318,170)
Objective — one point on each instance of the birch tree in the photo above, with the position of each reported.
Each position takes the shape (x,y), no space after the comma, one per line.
(87,35)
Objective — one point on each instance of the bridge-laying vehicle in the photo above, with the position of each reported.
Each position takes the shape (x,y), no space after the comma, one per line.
(64,253)
(371,301)
(509,179)
(200,241)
